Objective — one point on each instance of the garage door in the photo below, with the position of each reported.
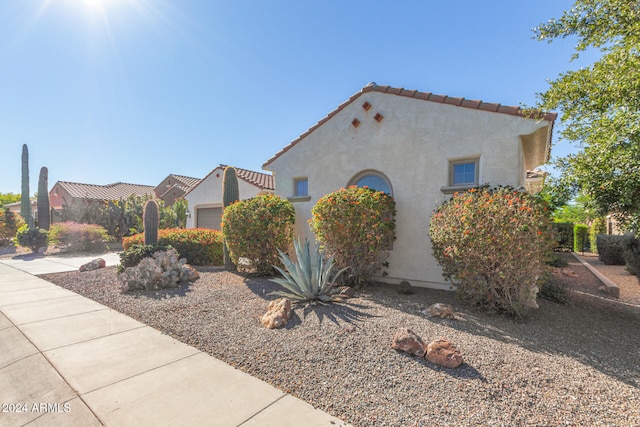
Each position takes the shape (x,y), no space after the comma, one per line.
(209,218)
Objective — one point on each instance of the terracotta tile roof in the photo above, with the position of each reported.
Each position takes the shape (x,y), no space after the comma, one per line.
(113,191)
(185,183)
(426,96)
(259,179)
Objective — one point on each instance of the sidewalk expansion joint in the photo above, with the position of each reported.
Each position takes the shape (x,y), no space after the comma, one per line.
(263,409)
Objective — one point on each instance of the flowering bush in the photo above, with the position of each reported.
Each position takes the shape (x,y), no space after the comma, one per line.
(200,246)
(72,236)
(493,244)
(355,226)
(256,228)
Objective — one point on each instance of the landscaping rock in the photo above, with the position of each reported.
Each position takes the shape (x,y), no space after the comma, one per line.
(441,310)
(408,341)
(346,292)
(278,313)
(93,265)
(163,270)
(444,353)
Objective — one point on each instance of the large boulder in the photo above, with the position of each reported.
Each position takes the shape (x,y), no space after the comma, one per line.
(278,313)
(444,353)
(408,341)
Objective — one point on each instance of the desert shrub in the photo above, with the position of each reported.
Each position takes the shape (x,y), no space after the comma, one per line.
(553,289)
(32,238)
(136,253)
(9,225)
(556,261)
(355,226)
(72,236)
(610,249)
(580,234)
(493,245)
(631,253)
(598,226)
(256,228)
(200,246)
(563,232)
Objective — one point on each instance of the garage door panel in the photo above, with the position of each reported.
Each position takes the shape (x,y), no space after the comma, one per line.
(209,218)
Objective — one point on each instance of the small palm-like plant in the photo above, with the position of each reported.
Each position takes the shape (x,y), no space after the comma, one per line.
(311,279)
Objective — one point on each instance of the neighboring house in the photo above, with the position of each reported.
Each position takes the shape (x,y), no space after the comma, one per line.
(64,193)
(418,147)
(174,187)
(205,199)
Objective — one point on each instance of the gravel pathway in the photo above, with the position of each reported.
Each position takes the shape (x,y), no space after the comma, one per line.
(570,364)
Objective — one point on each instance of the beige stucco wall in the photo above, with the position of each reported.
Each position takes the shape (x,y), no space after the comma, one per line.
(208,194)
(412,147)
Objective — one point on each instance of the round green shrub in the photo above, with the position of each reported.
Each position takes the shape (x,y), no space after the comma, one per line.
(256,228)
(356,226)
(32,238)
(493,245)
(200,246)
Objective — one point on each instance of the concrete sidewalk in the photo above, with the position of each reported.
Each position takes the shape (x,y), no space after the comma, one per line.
(66,360)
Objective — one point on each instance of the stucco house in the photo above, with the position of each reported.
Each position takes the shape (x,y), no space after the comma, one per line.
(205,198)
(420,148)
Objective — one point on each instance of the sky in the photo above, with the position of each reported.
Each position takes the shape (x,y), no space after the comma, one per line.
(106,91)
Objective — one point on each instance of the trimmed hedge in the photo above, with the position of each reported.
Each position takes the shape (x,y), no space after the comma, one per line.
(563,232)
(631,253)
(598,226)
(200,246)
(580,237)
(610,249)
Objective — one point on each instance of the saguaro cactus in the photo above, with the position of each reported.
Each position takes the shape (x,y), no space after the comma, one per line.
(230,194)
(44,214)
(25,203)
(151,220)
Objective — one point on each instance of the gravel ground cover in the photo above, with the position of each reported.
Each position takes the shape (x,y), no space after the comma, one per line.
(575,364)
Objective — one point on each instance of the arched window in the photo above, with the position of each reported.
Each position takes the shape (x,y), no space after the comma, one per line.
(373,180)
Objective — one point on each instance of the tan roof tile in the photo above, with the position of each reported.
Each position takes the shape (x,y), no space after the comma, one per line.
(115,191)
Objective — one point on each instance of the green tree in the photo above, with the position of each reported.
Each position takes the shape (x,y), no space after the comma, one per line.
(6,198)
(600,104)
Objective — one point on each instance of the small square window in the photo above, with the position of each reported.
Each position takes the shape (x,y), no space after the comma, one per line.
(300,187)
(464,173)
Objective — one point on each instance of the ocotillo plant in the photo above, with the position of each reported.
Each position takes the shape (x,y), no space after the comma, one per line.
(151,220)
(44,214)
(25,203)
(230,194)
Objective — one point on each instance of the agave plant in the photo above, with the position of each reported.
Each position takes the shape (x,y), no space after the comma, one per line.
(311,279)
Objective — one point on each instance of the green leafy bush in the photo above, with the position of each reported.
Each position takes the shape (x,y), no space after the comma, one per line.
(598,226)
(563,232)
(610,249)
(136,253)
(631,253)
(200,246)
(32,238)
(9,225)
(256,228)
(580,234)
(553,289)
(72,236)
(493,245)
(355,226)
